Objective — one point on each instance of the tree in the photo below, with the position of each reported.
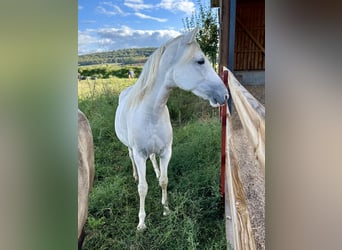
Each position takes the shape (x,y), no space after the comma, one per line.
(207,36)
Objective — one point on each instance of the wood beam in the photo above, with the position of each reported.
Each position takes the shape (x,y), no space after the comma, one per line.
(231,35)
(245,29)
(252,116)
(238,226)
(224,33)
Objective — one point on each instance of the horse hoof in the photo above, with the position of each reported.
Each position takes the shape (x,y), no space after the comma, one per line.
(141,227)
(166,211)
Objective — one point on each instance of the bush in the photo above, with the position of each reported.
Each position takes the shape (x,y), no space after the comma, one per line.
(105,71)
(185,106)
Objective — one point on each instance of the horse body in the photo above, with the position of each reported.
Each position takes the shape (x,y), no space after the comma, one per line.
(85,171)
(146,126)
(142,120)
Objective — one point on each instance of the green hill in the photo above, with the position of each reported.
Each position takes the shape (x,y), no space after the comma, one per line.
(122,57)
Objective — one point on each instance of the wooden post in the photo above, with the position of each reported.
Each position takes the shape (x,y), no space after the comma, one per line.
(231,35)
(224,32)
(227,38)
(223,115)
(227,33)
(223,60)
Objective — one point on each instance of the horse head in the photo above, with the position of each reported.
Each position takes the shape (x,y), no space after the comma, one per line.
(192,71)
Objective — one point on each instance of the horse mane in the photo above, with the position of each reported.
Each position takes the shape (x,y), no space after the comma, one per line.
(147,78)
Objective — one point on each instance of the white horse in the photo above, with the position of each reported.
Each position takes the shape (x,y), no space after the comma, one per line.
(85,172)
(142,120)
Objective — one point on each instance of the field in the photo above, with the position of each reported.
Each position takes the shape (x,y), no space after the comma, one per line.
(196,220)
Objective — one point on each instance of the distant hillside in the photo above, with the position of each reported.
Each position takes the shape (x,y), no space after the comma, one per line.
(122,56)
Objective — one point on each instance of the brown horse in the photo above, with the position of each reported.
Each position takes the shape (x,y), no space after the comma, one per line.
(85,172)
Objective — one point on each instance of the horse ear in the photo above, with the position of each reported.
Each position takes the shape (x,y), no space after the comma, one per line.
(191,36)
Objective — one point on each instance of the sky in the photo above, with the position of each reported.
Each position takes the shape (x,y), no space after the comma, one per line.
(111,25)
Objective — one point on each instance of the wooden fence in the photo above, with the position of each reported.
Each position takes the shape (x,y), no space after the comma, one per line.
(252,115)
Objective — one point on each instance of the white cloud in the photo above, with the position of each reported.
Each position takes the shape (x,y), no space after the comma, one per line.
(150,17)
(80,7)
(185,6)
(107,39)
(114,9)
(138,5)
(101,10)
(86,42)
(88,21)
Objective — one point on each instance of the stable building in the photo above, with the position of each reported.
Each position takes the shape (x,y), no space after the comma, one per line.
(242,38)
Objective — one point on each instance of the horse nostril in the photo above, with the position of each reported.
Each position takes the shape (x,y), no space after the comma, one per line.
(226,97)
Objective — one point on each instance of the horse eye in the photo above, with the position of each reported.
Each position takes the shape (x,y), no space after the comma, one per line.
(201,61)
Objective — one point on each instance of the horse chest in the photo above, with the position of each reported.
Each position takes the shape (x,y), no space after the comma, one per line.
(152,137)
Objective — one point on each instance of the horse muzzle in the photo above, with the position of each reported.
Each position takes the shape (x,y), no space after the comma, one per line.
(218,98)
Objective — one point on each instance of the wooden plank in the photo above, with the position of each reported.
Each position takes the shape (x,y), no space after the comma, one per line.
(252,116)
(228,215)
(230,187)
(229,207)
(257,43)
(239,215)
(238,226)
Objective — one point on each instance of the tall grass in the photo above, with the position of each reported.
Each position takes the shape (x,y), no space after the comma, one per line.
(196,219)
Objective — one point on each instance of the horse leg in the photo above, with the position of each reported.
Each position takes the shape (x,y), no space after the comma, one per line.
(135,176)
(155,165)
(163,180)
(142,188)
(81,239)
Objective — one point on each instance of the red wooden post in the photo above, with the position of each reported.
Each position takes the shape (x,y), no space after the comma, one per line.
(223,115)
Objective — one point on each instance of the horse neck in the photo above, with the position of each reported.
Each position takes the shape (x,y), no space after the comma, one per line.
(157,98)
(159,94)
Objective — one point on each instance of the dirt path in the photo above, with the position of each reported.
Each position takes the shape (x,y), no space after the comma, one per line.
(253,181)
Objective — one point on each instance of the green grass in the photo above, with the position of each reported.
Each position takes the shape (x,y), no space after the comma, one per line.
(196,219)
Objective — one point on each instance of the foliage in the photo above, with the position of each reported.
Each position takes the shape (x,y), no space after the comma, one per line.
(196,220)
(108,70)
(121,57)
(206,21)
(180,113)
